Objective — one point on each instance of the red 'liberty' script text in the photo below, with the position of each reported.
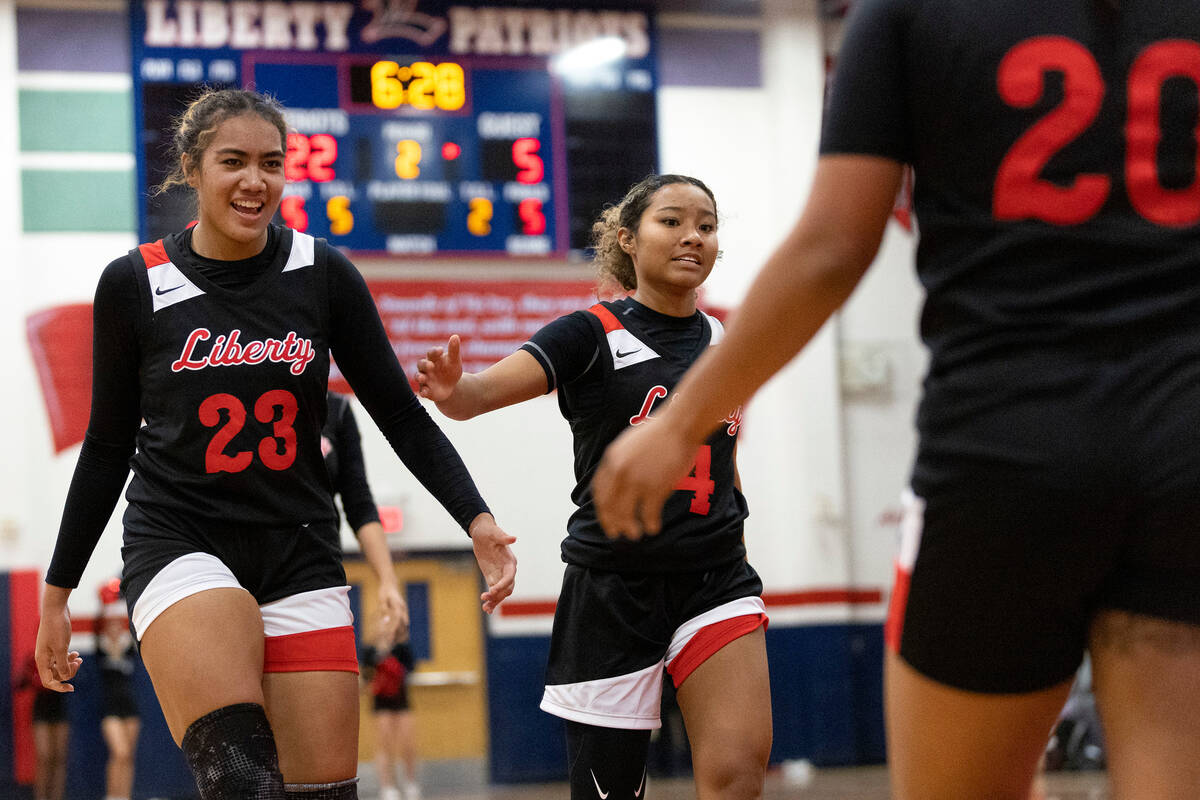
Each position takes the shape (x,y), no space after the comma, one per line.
(227,351)
(656,393)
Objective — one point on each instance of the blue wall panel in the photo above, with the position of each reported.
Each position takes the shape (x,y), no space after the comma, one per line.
(827,693)
(7,749)
(527,744)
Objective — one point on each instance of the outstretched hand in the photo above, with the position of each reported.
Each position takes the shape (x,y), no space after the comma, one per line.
(636,476)
(55,664)
(495,558)
(439,371)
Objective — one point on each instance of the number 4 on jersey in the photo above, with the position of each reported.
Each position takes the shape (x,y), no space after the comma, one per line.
(699,481)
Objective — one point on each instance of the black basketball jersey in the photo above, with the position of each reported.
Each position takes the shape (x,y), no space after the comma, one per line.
(341,444)
(1057,182)
(232,390)
(631,369)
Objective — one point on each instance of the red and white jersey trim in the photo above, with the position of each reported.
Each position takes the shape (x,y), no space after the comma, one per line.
(169,286)
(303,252)
(627,349)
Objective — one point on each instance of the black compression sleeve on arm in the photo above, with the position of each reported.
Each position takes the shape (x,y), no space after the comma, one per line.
(103,463)
(365,356)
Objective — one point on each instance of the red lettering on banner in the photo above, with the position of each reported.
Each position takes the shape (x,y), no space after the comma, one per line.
(227,351)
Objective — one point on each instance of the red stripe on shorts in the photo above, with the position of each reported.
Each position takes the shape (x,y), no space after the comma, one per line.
(709,640)
(326,650)
(895,618)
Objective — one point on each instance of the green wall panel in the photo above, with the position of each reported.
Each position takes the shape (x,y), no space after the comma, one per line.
(76,121)
(78,200)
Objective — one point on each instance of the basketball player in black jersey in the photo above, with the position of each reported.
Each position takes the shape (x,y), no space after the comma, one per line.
(686,600)
(342,445)
(211,359)
(1055,498)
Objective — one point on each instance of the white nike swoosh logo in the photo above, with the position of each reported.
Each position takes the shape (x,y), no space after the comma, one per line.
(641,785)
(603,794)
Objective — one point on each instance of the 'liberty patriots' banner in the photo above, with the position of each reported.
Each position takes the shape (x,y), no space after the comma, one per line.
(434,26)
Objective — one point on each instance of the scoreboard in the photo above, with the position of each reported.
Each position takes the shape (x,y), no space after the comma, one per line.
(416,127)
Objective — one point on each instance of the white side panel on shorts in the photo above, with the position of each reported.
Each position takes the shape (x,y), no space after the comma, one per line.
(629,701)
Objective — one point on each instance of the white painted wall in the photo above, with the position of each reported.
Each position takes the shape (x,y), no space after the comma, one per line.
(820,468)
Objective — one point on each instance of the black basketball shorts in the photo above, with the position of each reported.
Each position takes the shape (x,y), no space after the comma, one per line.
(1027,518)
(295,574)
(614,634)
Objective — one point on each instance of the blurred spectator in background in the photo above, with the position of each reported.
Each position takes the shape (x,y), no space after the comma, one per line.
(51,733)
(119,719)
(387,666)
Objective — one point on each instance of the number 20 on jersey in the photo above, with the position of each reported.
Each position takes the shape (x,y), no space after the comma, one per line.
(1021,193)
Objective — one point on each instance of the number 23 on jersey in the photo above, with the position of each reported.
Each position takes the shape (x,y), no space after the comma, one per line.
(276,452)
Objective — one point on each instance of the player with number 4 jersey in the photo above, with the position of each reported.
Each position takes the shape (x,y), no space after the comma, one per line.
(685,601)
(1055,495)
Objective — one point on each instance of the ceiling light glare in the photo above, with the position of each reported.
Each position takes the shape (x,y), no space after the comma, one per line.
(589,55)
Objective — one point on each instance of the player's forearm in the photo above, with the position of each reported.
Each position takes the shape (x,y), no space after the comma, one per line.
(784,309)
(373,541)
(54,599)
(467,400)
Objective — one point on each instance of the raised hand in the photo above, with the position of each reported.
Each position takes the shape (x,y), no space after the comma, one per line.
(439,372)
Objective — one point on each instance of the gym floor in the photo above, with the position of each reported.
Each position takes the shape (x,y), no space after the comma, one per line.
(857,783)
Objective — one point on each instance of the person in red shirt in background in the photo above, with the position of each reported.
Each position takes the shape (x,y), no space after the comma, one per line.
(120,720)
(387,666)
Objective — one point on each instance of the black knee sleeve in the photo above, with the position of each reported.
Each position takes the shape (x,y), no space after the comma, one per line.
(341,790)
(606,762)
(232,754)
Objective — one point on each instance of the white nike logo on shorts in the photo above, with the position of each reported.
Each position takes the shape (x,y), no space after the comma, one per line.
(641,785)
(603,794)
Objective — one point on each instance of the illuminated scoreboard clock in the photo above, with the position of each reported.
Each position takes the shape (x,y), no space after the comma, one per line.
(416,127)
